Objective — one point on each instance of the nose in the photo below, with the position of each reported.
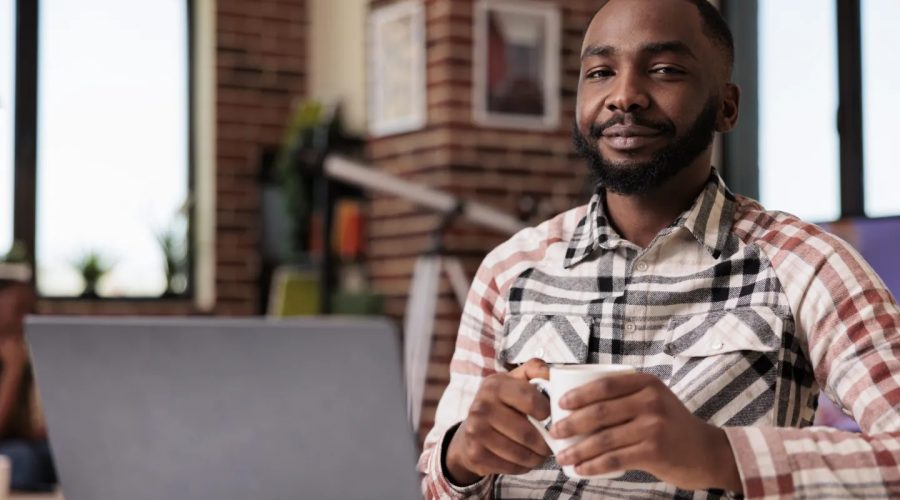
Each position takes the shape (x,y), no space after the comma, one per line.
(628,93)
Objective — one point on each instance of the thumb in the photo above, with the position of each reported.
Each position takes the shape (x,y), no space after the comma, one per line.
(533,368)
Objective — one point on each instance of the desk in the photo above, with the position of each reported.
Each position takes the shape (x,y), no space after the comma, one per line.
(36,496)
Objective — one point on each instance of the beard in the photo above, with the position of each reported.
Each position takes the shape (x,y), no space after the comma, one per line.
(640,177)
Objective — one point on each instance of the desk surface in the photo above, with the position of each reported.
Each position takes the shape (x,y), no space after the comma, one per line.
(36,496)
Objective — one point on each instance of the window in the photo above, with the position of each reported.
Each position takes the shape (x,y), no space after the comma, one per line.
(881,105)
(112,150)
(820,95)
(798,101)
(7,113)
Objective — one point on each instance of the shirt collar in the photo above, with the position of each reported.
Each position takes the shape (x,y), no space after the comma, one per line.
(709,220)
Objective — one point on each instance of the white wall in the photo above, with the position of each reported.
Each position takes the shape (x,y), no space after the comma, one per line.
(337,69)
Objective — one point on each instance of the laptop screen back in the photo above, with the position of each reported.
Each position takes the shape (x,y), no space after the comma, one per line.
(215,409)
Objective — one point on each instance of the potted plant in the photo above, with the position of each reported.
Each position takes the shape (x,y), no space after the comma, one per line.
(92,266)
(14,264)
(305,144)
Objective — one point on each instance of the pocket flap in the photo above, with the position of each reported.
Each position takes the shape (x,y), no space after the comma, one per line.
(757,328)
(555,338)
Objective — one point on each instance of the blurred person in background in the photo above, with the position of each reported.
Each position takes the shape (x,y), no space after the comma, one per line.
(23,435)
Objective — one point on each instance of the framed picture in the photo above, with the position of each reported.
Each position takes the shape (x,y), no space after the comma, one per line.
(516,57)
(397,68)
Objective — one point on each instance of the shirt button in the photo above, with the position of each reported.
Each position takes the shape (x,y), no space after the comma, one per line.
(718,345)
(630,327)
(642,267)
(539,353)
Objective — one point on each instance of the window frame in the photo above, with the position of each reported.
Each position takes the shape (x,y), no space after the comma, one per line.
(25,125)
(741,146)
(27,53)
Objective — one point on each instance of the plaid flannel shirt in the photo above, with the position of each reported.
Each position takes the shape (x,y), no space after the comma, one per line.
(745,313)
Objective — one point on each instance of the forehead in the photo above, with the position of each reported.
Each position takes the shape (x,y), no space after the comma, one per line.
(626,25)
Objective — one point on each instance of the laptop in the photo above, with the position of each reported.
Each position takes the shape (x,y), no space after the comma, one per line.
(215,409)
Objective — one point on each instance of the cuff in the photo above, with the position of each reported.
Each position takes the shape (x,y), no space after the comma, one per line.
(762,461)
(481,489)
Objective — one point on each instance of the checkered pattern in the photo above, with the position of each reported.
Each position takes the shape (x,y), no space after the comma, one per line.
(745,314)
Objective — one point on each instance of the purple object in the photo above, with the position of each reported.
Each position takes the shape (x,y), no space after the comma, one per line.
(878,240)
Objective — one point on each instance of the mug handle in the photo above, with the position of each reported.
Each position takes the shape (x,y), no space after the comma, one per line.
(543,385)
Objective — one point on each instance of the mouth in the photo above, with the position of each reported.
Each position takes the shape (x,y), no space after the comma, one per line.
(630,137)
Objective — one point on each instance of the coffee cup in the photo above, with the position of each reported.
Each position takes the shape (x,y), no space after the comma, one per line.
(564,378)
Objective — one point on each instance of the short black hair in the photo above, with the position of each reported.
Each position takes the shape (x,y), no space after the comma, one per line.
(714,27)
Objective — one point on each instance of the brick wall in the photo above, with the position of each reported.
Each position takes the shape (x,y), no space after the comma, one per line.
(492,165)
(261,71)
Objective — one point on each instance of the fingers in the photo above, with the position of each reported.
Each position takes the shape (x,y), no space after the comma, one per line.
(505,403)
(595,416)
(603,442)
(611,387)
(628,458)
(485,462)
(510,423)
(496,437)
(533,368)
(522,396)
(505,448)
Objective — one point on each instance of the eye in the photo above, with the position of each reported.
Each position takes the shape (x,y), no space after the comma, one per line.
(667,70)
(598,73)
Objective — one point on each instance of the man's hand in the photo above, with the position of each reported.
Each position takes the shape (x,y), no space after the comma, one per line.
(496,437)
(635,422)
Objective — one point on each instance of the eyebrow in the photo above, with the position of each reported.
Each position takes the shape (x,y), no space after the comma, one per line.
(653,48)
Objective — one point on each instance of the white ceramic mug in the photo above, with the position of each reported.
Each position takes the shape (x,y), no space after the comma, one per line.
(564,378)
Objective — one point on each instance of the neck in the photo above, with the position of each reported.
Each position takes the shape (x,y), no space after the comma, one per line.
(639,218)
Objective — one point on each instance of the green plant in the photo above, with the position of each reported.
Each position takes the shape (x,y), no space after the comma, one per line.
(305,143)
(173,246)
(92,266)
(17,254)
(15,263)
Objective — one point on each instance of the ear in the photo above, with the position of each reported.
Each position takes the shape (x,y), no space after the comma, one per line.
(729,110)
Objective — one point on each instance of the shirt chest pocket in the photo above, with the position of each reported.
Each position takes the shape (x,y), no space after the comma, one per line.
(555,338)
(756,329)
(725,363)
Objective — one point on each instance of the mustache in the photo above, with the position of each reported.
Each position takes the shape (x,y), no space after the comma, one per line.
(597,129)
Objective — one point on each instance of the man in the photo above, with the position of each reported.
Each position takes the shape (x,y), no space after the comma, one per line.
(735,317)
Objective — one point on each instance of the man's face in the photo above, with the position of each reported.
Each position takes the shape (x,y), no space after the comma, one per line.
(649,93)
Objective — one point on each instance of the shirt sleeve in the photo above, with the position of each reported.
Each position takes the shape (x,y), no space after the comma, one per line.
(851,324)
(474,359)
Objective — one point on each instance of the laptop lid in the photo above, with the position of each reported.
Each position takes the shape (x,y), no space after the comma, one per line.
(151,408)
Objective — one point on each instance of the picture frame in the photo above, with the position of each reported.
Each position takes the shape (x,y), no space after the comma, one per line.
(397,86)
(516,64)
